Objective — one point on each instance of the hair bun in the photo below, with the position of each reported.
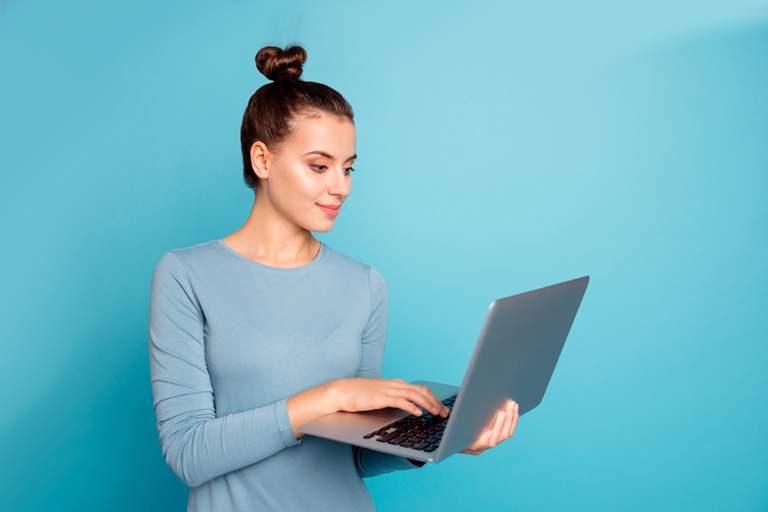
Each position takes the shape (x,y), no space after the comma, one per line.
(274,63)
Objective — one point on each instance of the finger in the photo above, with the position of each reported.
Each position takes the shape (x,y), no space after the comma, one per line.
(404,398)
(516,416)
(415,395)
(406,405)
(470,451)
(438,406)
(433,405)
(483,443)
(496,429)
(507,426)
(478,446)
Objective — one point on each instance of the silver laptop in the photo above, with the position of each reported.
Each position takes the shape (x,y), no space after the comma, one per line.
(514,358)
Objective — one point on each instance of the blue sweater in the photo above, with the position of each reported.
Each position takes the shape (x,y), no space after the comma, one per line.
(230,340)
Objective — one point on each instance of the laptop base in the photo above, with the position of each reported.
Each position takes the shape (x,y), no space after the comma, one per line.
(350,427)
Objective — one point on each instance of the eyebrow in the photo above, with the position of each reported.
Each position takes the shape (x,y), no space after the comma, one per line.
(326,155)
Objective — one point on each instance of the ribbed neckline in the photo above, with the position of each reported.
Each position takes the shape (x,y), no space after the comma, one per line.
(309,265)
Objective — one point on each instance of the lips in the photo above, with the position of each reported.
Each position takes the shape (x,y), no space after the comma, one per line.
(331,210)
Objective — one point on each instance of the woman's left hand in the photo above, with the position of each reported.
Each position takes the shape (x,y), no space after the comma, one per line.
(502,429)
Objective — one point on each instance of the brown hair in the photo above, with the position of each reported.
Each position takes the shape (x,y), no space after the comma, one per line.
(273,109)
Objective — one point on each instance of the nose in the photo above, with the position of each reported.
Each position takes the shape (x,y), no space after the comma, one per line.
(339,183)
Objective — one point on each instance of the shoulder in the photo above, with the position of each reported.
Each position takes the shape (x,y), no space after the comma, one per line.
(198,253)
(177,262)
(353,270)
(194,256)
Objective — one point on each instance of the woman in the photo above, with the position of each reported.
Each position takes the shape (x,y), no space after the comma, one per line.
(267,329)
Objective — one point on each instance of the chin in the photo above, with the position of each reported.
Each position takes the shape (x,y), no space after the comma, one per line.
(321,227)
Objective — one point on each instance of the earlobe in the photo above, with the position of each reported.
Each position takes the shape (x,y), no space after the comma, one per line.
(259,160)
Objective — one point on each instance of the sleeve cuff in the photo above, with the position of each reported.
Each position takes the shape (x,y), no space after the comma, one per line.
(415,463)
(284,424)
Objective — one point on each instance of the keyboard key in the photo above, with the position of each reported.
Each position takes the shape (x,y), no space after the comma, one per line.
(421,446)
(398,440)
(386,438)
(430,449)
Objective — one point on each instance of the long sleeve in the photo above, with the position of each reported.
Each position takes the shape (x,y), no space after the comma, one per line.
(371,462)
(196,444)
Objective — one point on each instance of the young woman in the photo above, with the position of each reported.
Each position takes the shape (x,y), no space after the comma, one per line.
(266,329)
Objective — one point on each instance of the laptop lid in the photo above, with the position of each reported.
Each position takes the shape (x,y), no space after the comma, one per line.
(514,358)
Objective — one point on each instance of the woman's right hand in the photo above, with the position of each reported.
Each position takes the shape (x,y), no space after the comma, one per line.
(361,394)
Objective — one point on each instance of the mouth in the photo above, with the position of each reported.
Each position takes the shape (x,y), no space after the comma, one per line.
(331,210)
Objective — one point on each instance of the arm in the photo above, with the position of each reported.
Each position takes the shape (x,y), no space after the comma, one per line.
(196,444)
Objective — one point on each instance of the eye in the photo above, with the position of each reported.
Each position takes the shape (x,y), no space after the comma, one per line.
(318,168)
(348,170)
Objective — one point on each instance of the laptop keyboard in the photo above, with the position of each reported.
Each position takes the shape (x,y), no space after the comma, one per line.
(422,433)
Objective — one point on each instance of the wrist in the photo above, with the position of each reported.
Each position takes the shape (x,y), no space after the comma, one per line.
(331,397)
(312,404)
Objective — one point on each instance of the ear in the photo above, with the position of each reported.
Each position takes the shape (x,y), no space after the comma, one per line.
(261,159)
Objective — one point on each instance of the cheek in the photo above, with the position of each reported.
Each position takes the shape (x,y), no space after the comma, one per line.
(295,186)
(306,186)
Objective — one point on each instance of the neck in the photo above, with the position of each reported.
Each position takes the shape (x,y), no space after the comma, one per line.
(267,237)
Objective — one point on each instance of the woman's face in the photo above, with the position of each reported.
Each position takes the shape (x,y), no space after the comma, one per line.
(310,177)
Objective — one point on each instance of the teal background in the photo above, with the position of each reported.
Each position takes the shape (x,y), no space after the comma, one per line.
(503,146)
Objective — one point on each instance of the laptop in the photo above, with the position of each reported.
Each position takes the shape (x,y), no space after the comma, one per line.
(514,358)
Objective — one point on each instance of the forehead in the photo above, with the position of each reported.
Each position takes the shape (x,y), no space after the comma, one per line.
(334,135)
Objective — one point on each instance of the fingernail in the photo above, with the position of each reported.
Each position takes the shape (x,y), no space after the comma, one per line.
(515,405)
(501,416)
(435,410)
(446,410)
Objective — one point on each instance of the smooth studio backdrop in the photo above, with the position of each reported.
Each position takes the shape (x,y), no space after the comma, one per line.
(503,146)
